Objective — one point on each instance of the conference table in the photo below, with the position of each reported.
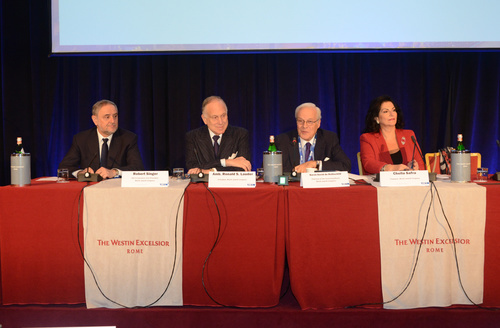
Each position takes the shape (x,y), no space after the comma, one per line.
(234,245)
(333,249)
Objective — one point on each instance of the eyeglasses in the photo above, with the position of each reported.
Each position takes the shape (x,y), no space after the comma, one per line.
(215,118)
(302,122)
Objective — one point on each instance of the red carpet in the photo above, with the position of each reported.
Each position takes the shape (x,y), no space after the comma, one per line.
(286,314)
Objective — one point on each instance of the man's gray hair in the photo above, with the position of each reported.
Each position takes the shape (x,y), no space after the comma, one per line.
(309,105)
(98,105)
(208,100)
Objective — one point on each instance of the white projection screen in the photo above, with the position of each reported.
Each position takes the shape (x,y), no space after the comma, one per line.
(133,26)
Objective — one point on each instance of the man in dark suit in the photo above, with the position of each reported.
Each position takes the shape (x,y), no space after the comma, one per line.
(217,146)
(309,146)
(106,149)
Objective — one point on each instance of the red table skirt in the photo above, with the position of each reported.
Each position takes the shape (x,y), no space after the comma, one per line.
(41,261)
(331,237)
(333,248)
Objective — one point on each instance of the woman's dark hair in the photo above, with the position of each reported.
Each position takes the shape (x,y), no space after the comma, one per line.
(373,111)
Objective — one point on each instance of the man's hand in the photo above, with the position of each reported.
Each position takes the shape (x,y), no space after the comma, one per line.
(239,162)
(105,173)
(196,170)
(302,168)
(88,169)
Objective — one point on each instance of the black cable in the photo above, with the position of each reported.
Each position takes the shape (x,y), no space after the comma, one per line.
(93,273)
(217,239)
(415,263)
(454,246)
(432,185)
(212,249)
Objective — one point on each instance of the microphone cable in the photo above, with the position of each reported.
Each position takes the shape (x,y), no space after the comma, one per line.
(217,238)
(174,263)
(216,242)
(454,247)
(432,185)
(414,266)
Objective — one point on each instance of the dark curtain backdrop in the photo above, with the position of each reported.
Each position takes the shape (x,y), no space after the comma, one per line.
(47,99)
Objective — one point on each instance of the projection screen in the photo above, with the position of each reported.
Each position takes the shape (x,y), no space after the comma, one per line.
(131,26)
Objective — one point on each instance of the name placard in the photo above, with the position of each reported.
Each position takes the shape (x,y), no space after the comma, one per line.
(144,178)
(231,179)
(404,178)
(324,179)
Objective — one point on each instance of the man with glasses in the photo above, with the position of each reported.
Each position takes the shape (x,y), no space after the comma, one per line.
(217,146)
(309,146)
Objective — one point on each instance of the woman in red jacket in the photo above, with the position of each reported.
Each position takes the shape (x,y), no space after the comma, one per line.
(385,146)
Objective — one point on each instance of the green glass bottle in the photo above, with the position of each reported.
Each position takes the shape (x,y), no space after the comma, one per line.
(19,147)
(272,146)
(460,144)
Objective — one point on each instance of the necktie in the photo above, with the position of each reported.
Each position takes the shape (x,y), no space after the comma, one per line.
(104,152)
(216,146)
(308,152)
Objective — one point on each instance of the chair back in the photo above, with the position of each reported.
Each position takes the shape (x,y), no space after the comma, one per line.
(360,165)
(432,161)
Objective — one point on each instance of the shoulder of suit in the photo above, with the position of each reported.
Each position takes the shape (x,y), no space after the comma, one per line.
(287,136)
(231,129)
(200,130)
(405,132)
(371,135)
(326,133)
(86,133)
(125,133)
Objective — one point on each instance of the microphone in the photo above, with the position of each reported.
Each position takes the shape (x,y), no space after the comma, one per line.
(200,177)
(432,175)
(418,148)
(496,176)
(87,176)
(413,155)
(294,176)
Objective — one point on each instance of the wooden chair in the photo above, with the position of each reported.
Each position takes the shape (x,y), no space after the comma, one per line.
(432,162)
(360,165)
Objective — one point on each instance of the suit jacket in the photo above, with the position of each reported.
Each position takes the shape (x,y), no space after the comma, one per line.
(375,153)
(123,152)
(327,146)
(234,141)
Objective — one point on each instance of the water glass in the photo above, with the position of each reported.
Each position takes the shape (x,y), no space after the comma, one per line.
(62,175)
(178,173)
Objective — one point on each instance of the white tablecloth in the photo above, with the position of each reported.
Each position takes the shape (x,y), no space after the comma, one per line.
(402,220)
(133,245)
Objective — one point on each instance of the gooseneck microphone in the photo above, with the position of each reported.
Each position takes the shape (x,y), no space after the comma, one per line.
(432,175)
(87,176)
(496,176)
(413,154)
(418,148)
(200,177)
(294,176)
(87,173)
